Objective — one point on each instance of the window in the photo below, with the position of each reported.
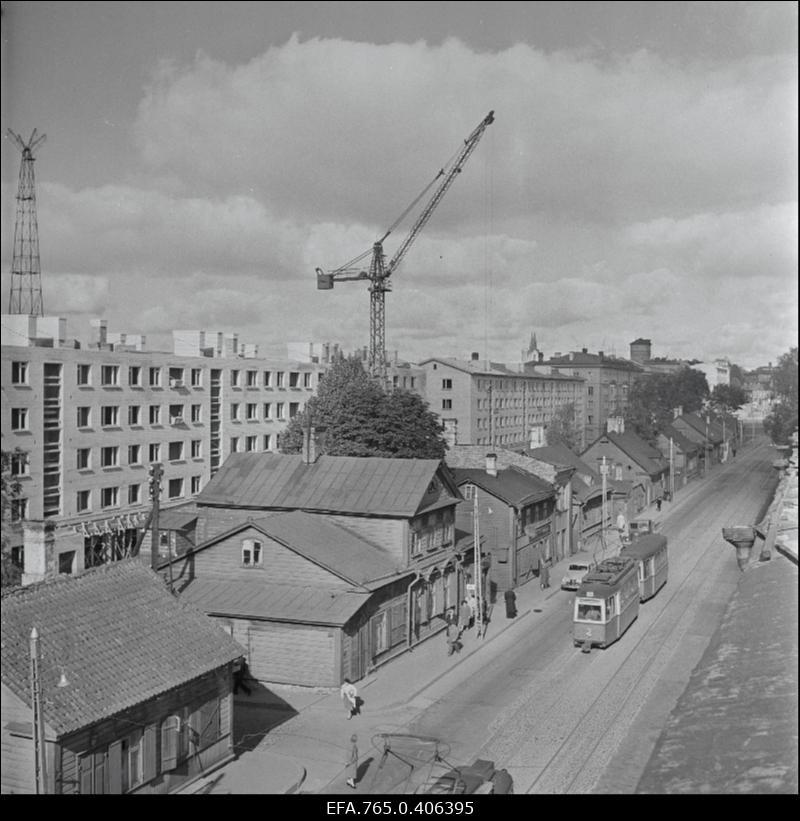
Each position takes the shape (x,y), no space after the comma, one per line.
(135,376)
(176,414)
(134,454)
(306,380)
(19,373)
(234,379)
(19,418)
(155,414)
(196,484)
(154,452)
(447,404)
(413,381)
(197,445)
(19,464)
(175,488)
(267,411)
(109,497)
(175,451)
(84,456)
(197,413)
(279,412)
(196,377)
(176,377)
(469,492)
(134,414)
(109,457)
(267,379)
(174,742)
(251,379)
(84,374)
(294,378)
(66,562)
(279,379)
(447,384)
(84,417)
(83,500)
(131,750)
(416,543)
(109,415)
(235,411)
(109,375)
(590,390)
(267,440)
(251,411)
(251,553)
(234,444)
(250,443)
(294,408)
(155,377)
(19,509)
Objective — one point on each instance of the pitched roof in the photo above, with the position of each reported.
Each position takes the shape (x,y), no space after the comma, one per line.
(336,484)
(177,518)
(644,454)
(513,486)
(579,359)
(474,456)
(275,602)
(562,455)
(480,367)
(327,544)
(118,635)
(698,424)
(680,439)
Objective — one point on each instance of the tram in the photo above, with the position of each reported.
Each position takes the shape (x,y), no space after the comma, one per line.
(650,554)
(607,603)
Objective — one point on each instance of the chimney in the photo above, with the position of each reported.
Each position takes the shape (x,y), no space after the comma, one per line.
(541,356)
(313,440)
(99,331)
(475,356)
(676,412)
(601,354)
(584,350)
(491,464)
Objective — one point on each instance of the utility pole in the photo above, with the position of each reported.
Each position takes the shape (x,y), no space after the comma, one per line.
(156,474)
(671,470)
(39,752)
(603,474)
(478,569)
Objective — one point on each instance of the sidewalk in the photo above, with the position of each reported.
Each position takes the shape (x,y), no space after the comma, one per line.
(308,751)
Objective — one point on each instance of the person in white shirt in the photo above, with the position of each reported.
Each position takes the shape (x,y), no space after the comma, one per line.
(349,698)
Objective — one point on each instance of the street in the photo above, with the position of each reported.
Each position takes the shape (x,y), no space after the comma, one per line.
(562,721)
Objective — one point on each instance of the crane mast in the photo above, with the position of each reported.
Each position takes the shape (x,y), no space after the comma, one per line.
(380,271)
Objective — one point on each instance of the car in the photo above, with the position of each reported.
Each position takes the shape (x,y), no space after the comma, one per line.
(576,570)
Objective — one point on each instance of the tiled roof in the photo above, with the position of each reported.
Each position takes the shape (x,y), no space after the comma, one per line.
(474,456)
(329,545)
(335,484)
(512,485)
(279,602)
(118,635)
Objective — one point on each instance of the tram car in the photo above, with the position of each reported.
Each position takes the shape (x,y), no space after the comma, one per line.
(650,554)
(607,603)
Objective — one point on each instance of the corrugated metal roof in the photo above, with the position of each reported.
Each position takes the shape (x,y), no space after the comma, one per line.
(340,484)
(118,635)
(279,602)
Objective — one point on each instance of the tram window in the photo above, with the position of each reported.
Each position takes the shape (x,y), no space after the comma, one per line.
(610,606)
(589,612)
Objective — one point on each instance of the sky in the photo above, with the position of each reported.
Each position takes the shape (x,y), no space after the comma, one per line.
(203,159)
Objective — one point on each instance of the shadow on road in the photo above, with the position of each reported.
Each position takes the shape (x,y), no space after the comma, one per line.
(256,713)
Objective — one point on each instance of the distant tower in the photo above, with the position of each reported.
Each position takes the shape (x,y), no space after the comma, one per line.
(26,274)
(533,350)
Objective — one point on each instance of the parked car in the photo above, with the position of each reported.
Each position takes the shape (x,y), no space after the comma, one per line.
(639,527)
(576,570)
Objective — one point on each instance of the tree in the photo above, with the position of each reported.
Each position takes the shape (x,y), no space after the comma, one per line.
(10,573)
(360,419)
(653,398)
(782,422)
(727,398)
(563,428)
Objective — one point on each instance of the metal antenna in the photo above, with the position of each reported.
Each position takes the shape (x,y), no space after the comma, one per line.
(26,273)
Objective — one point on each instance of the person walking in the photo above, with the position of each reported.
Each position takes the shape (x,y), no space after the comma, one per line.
(511,603)
(352,762)
(452,635)
(658,504)
(349,695)
(544,574)
(464,616)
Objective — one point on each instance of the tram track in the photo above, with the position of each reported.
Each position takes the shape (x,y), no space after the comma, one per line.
(570,755)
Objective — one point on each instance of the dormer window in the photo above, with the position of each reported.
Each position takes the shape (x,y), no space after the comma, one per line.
(251,553)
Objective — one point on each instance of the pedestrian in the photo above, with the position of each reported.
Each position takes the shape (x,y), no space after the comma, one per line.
(352,762)
(452,636)
(511,603)
(349,695)
(464,615)
(733,450)
(544,574)
(473,609)
(658,504)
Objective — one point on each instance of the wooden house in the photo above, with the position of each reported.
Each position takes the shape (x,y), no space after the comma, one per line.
(704,431)
(135,687)
(685,454)
(325,568)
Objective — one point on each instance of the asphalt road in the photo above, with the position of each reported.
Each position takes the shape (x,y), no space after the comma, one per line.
(562,721)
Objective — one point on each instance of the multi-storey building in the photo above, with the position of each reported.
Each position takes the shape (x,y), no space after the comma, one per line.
(90,421)
(608,381)
(487,403)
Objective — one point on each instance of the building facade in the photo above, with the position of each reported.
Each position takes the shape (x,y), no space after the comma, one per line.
(489,404)
(88,422)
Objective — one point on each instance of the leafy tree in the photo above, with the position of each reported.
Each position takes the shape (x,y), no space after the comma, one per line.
(10,573)
(653,397)
(563,428)
(360,419)
(782,422)
(727,398)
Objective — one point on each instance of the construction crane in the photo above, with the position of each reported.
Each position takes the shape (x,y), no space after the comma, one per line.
(380,271)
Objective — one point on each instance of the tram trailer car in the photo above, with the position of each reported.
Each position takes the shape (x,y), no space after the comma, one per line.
(607,602)
(650,554)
